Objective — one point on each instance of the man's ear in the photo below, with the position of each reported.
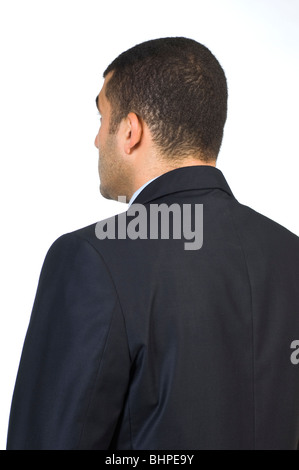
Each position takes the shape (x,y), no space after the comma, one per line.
(133,128)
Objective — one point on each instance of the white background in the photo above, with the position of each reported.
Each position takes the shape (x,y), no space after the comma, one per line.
(53,54)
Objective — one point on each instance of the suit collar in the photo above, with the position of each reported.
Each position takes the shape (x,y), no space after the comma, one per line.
(184,179)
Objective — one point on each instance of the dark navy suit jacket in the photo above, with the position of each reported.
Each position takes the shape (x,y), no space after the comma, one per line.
(142,344)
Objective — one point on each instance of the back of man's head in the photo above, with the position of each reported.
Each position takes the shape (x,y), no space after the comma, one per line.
(178,88)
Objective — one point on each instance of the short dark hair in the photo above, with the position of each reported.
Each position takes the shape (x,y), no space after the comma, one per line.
(177,86)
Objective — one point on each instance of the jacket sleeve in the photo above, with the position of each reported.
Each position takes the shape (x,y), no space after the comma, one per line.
(75,364)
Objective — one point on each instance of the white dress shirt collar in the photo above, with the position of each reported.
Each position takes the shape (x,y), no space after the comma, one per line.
(140,189)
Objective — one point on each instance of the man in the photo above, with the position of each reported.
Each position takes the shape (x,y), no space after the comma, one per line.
(137,339)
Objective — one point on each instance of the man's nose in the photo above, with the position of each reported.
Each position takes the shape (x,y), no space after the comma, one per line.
(96,141)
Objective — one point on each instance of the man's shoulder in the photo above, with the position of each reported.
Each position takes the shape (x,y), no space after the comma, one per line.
(256,229)
(76,252)
(85,236)
(262,221)
(72,238)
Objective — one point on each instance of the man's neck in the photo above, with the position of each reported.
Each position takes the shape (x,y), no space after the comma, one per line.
(144,177)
